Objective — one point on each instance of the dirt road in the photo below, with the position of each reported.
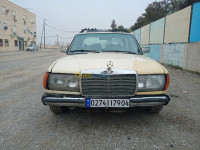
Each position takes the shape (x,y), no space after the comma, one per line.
(25,123)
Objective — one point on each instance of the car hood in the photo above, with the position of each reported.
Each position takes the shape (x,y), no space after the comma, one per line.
(78,62)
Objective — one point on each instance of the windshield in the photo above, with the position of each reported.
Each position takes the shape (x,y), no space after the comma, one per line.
(104,42)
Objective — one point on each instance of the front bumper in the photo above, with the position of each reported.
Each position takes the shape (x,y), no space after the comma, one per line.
(72,101)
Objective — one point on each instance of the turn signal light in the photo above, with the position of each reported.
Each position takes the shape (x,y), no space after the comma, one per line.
(45,80)
(167,82)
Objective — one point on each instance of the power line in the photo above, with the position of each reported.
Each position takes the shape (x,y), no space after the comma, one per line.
(52,22)
(61,30)
(56,36)
(66,38)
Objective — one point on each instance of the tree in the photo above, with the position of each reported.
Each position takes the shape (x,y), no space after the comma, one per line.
(113,25)
(121,28)
(153,12)
(160,9)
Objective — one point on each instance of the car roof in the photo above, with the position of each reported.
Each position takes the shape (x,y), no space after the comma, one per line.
(94,30)
(105,33)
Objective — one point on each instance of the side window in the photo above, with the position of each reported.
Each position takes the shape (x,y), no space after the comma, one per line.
(16,43)
(1,42)
(3,10)
(6,43)
(24,31)
(0,26)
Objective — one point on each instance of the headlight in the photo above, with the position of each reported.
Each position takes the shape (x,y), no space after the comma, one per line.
(151,83)
(62,82)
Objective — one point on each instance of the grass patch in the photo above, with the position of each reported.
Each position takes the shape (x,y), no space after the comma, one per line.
(179,68)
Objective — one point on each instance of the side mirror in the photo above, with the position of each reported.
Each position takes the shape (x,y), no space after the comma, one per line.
(63,49)
(145,49)
(67,49)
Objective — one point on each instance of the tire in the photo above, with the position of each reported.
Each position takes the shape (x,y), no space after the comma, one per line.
(156,109)
(57,109)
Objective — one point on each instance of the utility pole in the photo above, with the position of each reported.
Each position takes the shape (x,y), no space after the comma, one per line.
(44,31)
(57,39)
(41,38)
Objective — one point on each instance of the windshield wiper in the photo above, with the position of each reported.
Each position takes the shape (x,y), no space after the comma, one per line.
(129,52)
(83,50)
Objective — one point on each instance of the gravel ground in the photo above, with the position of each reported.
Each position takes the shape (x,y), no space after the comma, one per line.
(25,123)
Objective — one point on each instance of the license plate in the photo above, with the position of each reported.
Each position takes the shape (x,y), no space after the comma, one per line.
(107,103)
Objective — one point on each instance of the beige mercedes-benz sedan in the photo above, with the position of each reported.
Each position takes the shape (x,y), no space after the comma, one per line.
(105,69)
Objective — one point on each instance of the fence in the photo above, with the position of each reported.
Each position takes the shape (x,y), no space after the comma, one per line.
(174,39)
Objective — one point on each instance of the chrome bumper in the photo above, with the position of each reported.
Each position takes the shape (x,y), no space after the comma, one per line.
(59,100)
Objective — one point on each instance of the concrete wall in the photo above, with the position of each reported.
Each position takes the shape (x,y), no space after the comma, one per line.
(173,54)
(155,52)
(174,30)
(177,26)
(192,60)
(184,55)
(157,29)
(145,35)
(138,35)
(195,24)
(8,18)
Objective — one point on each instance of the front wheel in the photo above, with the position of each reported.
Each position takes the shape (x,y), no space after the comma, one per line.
(155,109)
(57,109)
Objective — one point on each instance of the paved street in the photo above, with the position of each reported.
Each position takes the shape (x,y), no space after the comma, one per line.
(25,123)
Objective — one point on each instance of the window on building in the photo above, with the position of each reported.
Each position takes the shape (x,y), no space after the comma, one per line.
(14,29)
(24,17)
(4,25)
(1,42)
(16,43)
(13,13)
(3,10)
(32,21)
(0,26)
(24,31)
(25,43)
(6,43)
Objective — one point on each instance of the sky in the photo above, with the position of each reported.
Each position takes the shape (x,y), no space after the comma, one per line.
(65,18)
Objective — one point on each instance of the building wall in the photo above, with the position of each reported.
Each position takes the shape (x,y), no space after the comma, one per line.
(157,29)
(137,34)
(195,24)
(19,35)
(145,35)
(177,26)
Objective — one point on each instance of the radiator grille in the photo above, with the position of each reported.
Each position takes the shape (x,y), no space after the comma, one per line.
(114,85)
